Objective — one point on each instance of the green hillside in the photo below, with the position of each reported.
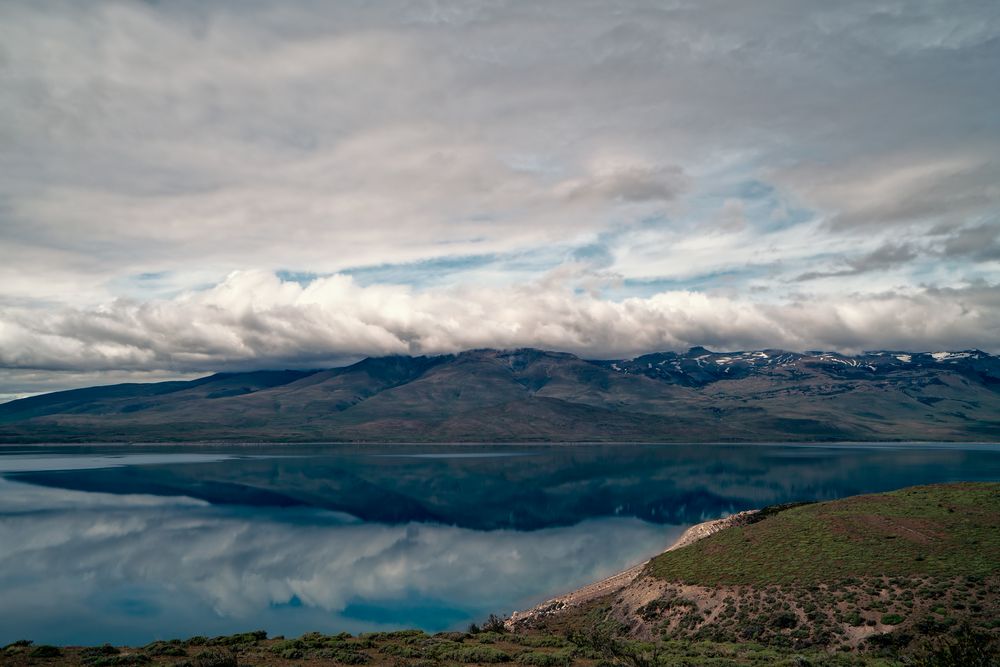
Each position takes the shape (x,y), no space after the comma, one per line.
(940,531)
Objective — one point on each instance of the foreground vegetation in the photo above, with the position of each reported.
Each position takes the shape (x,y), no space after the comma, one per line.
(593,648)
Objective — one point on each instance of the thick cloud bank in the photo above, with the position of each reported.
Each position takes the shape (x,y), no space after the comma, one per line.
(257,319)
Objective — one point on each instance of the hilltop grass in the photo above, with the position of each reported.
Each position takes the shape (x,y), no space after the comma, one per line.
(940,531)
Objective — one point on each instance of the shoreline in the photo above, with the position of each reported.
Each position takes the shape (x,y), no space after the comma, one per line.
(620,580)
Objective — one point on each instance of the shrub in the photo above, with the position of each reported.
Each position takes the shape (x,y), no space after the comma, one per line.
(92,653)
(544,659)
(45,651)
(966,648)
(216,656)
(543,641)
(172,648)
(121,660)
(283,645)
(785,620)
(930,626)
(481,654)
(494,624)
(240,639)
(892,619)
(17,646)
(888,642)
(346,657)
(402,651)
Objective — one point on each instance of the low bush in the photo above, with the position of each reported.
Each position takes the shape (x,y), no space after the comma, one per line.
(17,646)
(92,653)
(240,639)
(215,656)
(121,660)
(784,620)
(854,618)
(478,654)
(543,641)
(45,651)
(965,648)
(170,648)
(538,659)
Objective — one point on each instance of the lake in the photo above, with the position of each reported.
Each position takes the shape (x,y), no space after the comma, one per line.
(131,544)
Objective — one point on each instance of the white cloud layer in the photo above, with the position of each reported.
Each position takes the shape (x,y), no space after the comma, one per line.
(257,319)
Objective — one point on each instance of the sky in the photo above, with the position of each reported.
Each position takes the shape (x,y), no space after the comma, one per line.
(188,186)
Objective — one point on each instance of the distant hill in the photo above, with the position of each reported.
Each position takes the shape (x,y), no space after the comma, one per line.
(533,395)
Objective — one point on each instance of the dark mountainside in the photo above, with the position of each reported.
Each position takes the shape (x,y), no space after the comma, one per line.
(536,396)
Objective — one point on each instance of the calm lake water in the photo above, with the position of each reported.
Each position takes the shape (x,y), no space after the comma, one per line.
(133,544)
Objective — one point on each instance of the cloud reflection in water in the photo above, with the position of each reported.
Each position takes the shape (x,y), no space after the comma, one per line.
(90,567)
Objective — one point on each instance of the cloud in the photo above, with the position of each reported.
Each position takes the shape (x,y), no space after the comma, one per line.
(255,319)
(980,243)
(902,189)
(628,183)
(886,257)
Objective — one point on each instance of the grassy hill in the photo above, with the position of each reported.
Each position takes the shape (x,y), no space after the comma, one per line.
(878,574)
(926,531)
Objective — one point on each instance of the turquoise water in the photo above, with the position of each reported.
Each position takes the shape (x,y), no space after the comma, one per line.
(133,544)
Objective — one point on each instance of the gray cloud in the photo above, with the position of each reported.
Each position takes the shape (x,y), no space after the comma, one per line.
(885,257)
(903,189)
(981,243)
(630,183)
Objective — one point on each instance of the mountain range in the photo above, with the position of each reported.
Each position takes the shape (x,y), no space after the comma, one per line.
(534,395)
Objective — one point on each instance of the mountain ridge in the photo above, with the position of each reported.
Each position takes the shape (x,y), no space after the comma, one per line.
(529,394)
